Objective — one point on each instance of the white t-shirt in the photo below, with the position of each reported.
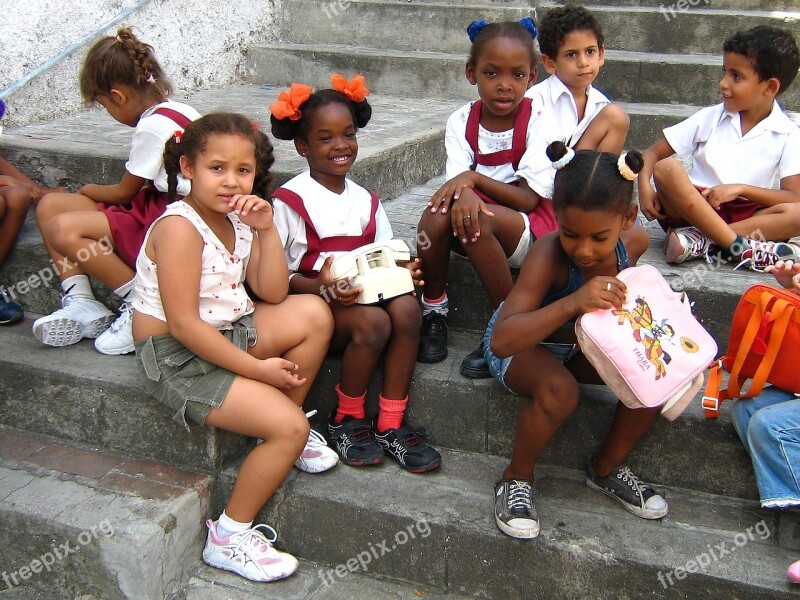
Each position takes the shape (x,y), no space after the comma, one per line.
(146,159)
(712,137)
(554,96)
(345,214)
(223,298)
(534,166)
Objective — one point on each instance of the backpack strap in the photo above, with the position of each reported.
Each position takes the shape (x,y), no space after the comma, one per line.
(179,119)
(338,243)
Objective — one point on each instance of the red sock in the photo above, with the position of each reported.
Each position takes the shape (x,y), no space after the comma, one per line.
(353,407)
(390,413)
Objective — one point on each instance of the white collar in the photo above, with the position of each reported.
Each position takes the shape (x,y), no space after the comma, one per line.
(776,121)
(558,89)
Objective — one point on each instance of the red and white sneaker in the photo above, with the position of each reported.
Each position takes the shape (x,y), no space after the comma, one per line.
(685,243)
(760,255)
(248,553)
(316,456)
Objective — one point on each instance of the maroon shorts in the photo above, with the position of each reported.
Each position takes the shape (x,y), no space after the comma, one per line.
(734,211)
(129,223)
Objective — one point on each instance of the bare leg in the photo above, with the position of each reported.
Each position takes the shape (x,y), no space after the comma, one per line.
(607,131)
(362,332)
(14,202)
(435,255)
(401,350)
(776,223)
(50,206)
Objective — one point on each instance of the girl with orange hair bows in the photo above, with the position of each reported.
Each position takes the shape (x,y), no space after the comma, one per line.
(320,215)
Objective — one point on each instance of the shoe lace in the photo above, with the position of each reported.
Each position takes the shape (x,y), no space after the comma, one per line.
(519,495)
(762,254)
(698,242)
(124,319)
(256,539)
(434,322)
(627,476)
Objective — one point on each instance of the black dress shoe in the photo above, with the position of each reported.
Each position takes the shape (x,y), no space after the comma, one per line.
(433,338)
(474,364)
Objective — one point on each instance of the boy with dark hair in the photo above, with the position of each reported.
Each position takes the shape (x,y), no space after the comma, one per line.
(724,205)
(571,42)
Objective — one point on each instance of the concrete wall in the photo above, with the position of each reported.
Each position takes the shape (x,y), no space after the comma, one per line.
(200,44)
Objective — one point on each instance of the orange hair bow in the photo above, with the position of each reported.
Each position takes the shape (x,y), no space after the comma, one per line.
(353,89)
(288,103)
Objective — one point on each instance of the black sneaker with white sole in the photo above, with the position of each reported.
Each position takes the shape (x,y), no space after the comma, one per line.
(354,441)
(627,489)
(514,512)
(409,448)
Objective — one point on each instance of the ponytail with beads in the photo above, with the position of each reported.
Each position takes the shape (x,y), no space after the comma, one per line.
(592,180)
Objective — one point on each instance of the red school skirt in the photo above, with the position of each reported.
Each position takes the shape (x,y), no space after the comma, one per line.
(129,223)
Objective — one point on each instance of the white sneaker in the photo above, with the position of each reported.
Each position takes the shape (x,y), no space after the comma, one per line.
(249,554)
(685,244)
(80,317)
(316,456)
(118,339)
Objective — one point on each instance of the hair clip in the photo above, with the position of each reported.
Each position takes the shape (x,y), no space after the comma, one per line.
(119,39)
(288,104)
(150,78)
(624,169)
(2,108)
(528,24)
(178,136)
(475,28)
(255,126)
(564,160)
(355,89)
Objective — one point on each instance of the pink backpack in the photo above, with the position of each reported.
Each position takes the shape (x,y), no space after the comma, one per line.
(652,352)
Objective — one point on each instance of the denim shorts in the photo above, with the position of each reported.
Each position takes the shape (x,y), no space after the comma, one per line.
(498,367)
(188,385)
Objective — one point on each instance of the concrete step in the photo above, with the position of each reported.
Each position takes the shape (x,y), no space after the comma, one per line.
(400,147)
(78,395)
(681,9)
(78,523)
(442,26)
(626,77)
(438,530)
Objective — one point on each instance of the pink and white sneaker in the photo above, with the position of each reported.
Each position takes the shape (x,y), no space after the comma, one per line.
(316,456)
(248,553)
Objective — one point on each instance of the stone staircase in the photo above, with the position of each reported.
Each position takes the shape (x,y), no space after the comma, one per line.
(81,444)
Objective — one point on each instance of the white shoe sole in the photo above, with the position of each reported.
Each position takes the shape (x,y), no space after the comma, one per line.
(317,465)
(674,252)
(282,574)
(520,534)
(115,351)
(642,513)
(60,332)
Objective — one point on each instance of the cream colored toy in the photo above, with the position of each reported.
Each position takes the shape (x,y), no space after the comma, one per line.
(374,269)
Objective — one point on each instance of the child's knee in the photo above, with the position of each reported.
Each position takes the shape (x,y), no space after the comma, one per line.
(373,328)
(616,117)
(433,226)
(295,430)
(56,229)
(317,315)
(406,315)
(667,170)
(17,199)
(558,396)
(762,430)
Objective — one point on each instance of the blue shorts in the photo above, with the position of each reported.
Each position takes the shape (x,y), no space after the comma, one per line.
(498,367)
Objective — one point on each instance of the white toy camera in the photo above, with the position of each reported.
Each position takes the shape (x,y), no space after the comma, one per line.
(373,268)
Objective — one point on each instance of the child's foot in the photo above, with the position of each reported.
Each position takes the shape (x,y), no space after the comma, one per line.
(355,441)
(685,243)
(118,339)
(514,512)
(759,255)
(793,573)
(408,448)
(316,456)
(627,489)
(79,318)
(249,554)
(474,364)
(433,338)
(10,312)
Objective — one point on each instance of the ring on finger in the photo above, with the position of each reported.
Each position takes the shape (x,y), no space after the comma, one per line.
(608,286)
(468,218)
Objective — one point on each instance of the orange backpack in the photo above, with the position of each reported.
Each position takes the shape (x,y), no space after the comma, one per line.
(764,346)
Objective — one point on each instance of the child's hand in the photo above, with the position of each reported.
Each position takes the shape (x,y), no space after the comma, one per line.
(415,266)
(787,273)
(720,194)
(649,203)
(253,211)
(280,373)
(451,191)
(464,218)
(337,290)
(599,292)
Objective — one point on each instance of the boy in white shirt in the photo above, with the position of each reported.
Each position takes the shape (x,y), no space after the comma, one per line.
(724,205)
(571,42)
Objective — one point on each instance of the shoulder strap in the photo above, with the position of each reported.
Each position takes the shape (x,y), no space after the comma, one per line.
(519,143)
(473,122)
(179,119)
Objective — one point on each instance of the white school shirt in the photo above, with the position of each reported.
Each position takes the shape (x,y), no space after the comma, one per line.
(554,96)
(223,298)
(712,137)
(146,159)
(332,214)
(534,166)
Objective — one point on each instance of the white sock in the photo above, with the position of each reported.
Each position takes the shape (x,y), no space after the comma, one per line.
(125,291)
(442,306)
(226,526)
(77,285)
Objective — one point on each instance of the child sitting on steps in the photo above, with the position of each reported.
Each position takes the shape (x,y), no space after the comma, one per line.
(530,341)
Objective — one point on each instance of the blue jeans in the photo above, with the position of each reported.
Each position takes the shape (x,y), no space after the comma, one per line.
(769,426)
